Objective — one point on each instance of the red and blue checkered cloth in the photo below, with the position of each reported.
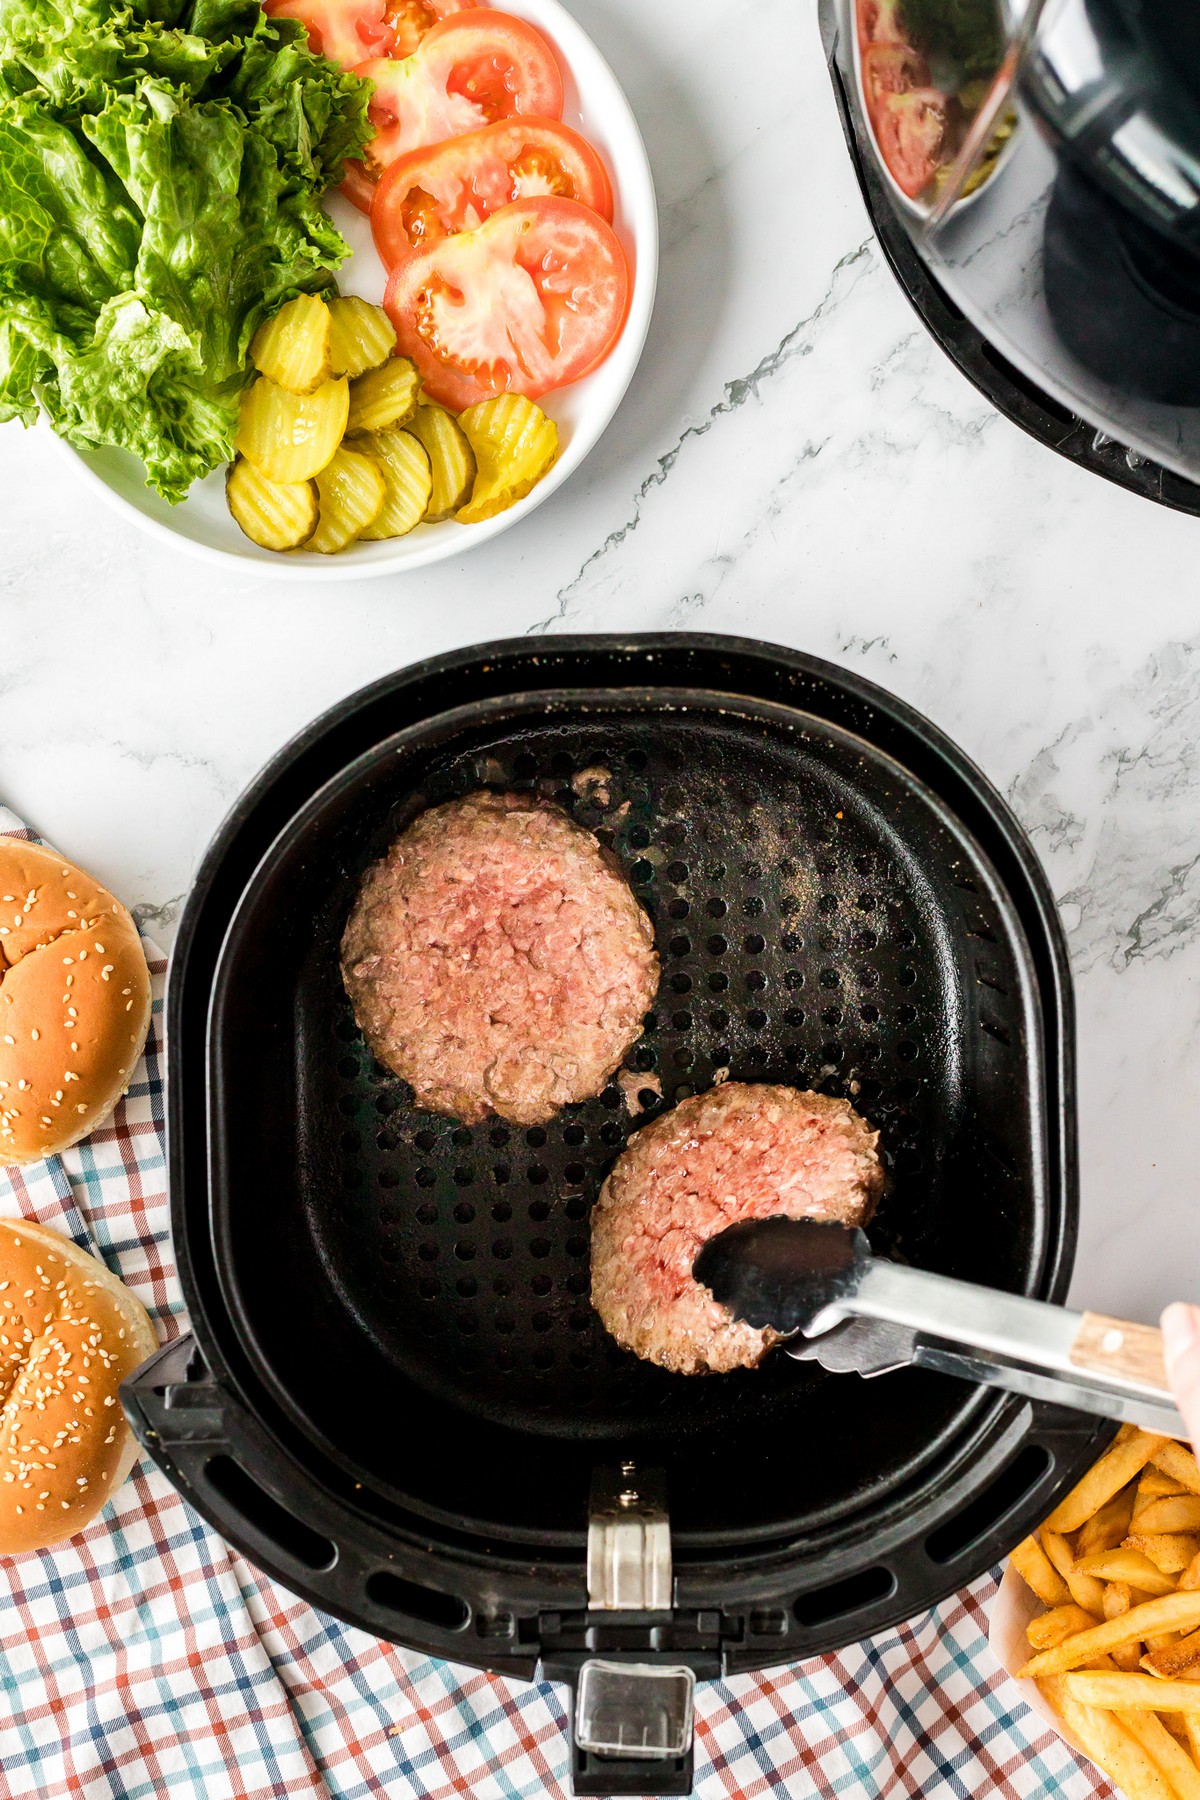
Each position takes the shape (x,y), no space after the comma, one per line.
(145,1658)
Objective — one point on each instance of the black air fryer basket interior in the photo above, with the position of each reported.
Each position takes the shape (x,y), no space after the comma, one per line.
(400,1395)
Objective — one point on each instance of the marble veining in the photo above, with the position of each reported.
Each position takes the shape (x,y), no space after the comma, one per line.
(796,461)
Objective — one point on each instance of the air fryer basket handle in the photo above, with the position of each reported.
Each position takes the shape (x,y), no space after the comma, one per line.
(626,1698)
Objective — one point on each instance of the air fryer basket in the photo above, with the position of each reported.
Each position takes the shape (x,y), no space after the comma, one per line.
(399,1397)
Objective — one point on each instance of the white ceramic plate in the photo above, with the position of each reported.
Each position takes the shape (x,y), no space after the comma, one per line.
(594,105)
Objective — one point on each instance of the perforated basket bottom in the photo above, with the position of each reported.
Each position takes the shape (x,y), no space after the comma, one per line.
(801,942)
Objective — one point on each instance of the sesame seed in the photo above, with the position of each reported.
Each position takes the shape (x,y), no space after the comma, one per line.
(68,960)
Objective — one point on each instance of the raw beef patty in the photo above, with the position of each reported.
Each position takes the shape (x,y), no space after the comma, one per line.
(736,1152)
(496,959)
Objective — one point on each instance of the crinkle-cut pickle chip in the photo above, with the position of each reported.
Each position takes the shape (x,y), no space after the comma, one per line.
(362,336)
(277,515)
(450,455)
(291,437)
(383,398)
(514,444)
(353,492)
(408,479)
(292,349)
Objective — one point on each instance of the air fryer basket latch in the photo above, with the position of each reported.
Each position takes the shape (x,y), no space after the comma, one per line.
(631,1729)
(629,1541)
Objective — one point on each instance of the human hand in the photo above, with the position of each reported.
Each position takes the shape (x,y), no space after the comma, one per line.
(1181,1350)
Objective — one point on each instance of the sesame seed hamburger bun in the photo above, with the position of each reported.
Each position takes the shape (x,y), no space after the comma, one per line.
(70,1333)
(74,1002)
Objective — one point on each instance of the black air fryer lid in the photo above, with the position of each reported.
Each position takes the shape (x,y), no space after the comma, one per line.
(1054,248)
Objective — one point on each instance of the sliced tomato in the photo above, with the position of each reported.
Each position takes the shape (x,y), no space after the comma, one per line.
(891,69)
(910,130)
(528,301)
(470,70)
(413,19)
(346,31)
(879,22)
(457,185)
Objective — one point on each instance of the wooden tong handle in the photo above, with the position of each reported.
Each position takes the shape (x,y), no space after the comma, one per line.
(1115,1347)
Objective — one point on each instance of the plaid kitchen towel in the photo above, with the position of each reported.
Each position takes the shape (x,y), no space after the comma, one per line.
(146,1658)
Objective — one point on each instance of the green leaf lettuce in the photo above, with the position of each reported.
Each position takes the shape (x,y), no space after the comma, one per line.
(161,167)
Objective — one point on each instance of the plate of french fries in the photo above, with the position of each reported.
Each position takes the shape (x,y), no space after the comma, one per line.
(1098,1617)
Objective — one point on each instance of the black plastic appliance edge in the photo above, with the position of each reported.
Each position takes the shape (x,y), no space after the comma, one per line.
(196,1412)
(1007,388)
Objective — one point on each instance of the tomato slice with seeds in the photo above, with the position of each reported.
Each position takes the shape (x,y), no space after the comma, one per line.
(468,71)
(414,19)
(350,31)
(346,31)
(879,22)
(910,130)
(457,185)
(530,300)
(891,69)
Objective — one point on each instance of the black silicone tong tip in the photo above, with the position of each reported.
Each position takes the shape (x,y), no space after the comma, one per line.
(782,1272)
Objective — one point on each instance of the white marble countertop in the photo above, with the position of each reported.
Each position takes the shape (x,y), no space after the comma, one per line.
(796,461)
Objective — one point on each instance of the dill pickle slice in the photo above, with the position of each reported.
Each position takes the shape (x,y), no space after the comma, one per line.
(290,437)
(407,477)
(450,455)
(277,515)
(384,398)
(362,336)
(352,491)
(292,349)
(514,444)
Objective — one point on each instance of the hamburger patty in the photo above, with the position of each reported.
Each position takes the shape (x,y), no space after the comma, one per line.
(496,959)
(736,1152)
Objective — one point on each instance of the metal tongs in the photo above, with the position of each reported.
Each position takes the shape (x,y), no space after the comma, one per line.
(819,1286)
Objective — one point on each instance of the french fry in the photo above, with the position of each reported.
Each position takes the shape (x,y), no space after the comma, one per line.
(1163,1749)
(1169,1513)
(1191,1724)
(1110,1747)
(1084,1590)
(1038,1572)
(1050,1628)
(1118,1598)
(1119,1692)
(1127,1565)
(1105,1529)
(1153,1484)
(1177,1461)
(1170,1612)
(1124,1459)
(1172,1659)
(1171,1552)
(1191,1575)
